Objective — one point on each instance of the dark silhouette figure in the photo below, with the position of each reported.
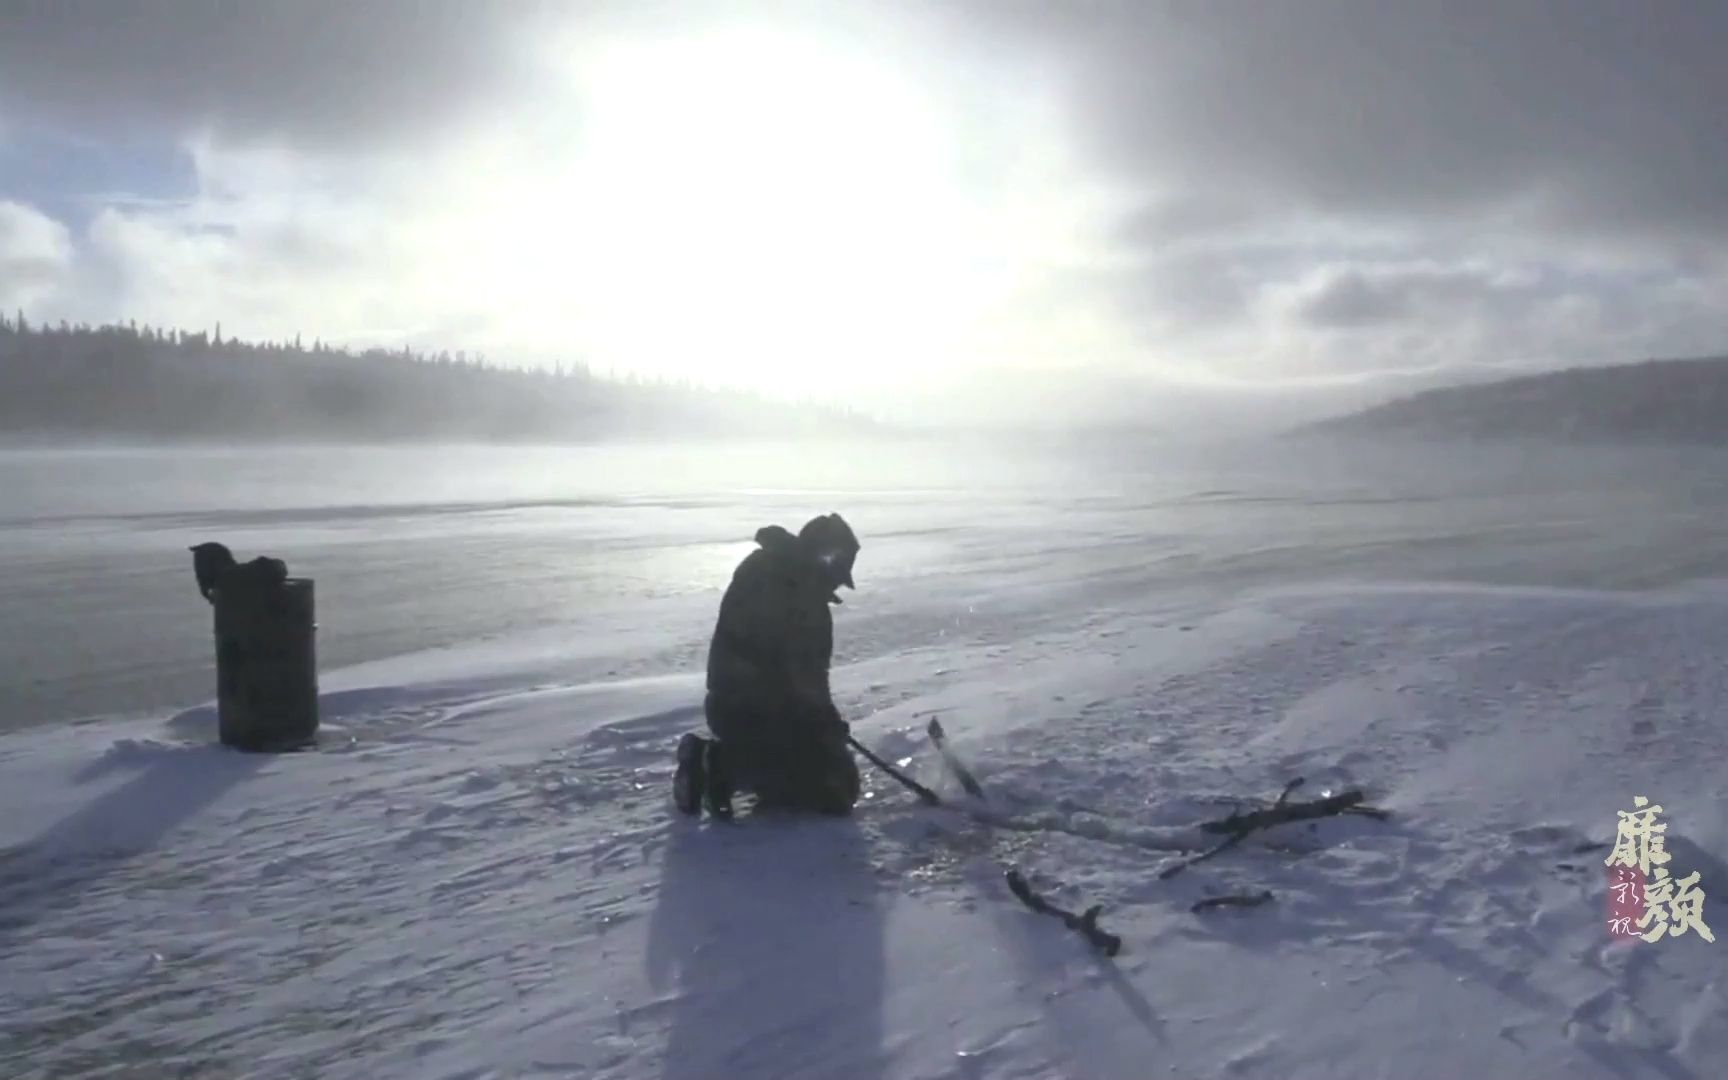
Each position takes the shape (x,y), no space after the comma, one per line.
(262,572)
(210,561)
(778,732)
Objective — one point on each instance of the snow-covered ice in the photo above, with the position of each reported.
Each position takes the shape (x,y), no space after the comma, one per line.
(479,874)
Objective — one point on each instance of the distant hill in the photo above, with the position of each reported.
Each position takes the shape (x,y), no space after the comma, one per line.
(1675,401)
(125,383)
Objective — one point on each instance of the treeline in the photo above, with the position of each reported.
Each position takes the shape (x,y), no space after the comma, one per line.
(1651,401)
(124,382)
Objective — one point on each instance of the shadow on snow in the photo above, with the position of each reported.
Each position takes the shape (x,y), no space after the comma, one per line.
(771,930)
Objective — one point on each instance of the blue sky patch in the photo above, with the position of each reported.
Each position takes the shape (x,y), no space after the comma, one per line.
(72,179)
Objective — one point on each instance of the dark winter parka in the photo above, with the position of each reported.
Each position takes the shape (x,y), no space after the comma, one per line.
(774,638)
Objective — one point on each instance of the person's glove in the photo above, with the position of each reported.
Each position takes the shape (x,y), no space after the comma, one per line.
(832,724)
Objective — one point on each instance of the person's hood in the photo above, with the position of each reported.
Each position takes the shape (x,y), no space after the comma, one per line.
(817,539)
(775,538)
(829,536)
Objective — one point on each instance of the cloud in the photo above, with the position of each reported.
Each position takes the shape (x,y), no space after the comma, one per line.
(323,73)
(1589,114)
(1519,314)
(762,206)
(1313,194)
(273,245)
(35,256)
(1350,296)
(1330,188)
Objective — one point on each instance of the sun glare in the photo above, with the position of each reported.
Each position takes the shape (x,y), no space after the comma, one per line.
(753,208)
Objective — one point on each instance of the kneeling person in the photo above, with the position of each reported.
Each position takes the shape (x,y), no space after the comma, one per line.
(776,730)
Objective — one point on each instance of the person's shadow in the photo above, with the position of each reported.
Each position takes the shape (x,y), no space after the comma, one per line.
(767,940)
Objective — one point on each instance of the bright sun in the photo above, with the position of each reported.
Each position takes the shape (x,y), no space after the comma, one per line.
(750,208)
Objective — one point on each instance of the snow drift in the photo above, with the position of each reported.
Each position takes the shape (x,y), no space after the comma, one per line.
(479,874)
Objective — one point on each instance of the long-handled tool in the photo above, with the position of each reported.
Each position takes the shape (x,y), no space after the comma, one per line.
(925,795)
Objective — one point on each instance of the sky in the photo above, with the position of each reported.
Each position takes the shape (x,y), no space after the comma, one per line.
(961,207)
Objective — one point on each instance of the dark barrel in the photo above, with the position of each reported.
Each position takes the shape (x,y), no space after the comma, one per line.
(266,663)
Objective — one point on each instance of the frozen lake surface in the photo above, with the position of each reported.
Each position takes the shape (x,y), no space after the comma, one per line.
(419,548)
(479,874)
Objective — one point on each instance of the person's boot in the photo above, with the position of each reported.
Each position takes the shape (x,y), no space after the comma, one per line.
(717,794)
(690,781)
